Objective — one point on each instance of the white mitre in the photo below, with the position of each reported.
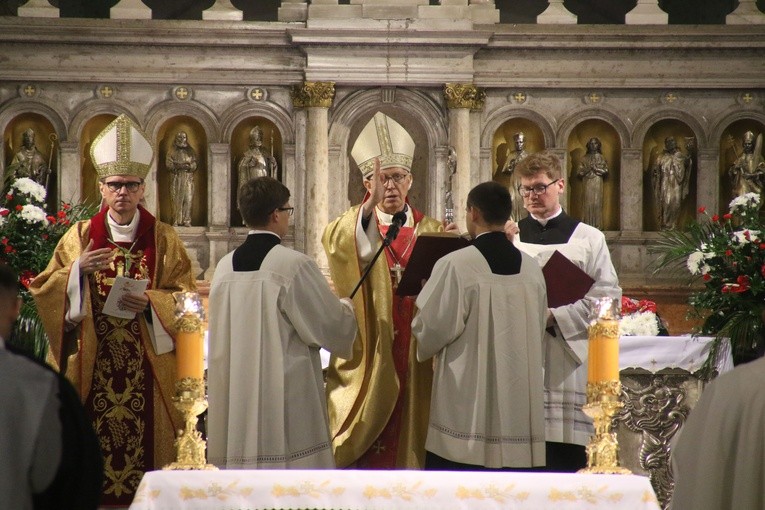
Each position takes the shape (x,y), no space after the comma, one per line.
(386,139)
(122,149)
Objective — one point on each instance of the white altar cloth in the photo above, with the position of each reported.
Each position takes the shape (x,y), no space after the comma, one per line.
(367,490)
(654,353)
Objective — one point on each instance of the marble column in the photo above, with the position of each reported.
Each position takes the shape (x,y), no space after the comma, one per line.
(708,181)
(646,12)
(556,14)
(38,9)
(293,10)
(460,99)
(222,10)
(316,98)
(70,180)
(220,185)
(746,13)
(130,9)
(631,191)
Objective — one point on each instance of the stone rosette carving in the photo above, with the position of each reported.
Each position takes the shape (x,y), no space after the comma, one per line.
(313,94)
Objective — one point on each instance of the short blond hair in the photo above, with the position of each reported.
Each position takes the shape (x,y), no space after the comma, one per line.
(540,162)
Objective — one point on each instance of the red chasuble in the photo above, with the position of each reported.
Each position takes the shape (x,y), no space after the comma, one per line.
(121,399)
(384,451)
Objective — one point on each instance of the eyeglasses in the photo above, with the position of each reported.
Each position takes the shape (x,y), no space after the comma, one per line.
(396,178)
(290,210)
(116,186)
(538,189)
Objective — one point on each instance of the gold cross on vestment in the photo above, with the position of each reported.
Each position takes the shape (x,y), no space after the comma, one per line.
(396,271)
(120,272)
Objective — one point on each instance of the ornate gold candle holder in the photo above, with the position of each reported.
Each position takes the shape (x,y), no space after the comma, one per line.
(190,398)
(603,451)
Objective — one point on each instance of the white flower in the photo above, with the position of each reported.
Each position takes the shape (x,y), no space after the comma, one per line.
(29,187)
(694,261)
(639,324)
(2,218)
(33,214)
(744,201)
(740,236)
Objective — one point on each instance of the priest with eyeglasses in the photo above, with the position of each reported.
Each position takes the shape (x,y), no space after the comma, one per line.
(122,364)
(379,398)
(546,229)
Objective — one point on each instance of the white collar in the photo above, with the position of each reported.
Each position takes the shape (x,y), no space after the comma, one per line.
(544,221)
(384,218)
(123,233)
(256,231)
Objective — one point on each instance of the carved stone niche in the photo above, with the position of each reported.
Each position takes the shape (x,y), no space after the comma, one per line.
(730,150)
(656,406)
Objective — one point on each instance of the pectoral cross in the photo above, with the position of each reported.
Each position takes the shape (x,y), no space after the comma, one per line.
(120,272)
(396,271)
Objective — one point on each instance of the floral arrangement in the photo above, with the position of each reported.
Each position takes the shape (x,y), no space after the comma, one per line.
(28,236)
(728,254)
(639,318)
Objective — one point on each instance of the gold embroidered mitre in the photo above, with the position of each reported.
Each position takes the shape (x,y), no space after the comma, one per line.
(386,139)
(122,149)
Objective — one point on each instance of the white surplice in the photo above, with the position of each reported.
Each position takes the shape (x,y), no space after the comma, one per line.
(266,392)
(566,353)
(485,331)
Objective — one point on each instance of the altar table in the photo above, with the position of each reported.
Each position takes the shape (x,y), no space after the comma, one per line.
(400,490)
(660,386)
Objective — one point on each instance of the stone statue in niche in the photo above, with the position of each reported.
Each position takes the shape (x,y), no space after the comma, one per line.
(28,162)
(512,158)
(181,162)
(256,162)
(748,171)
(592,169)
(670,178)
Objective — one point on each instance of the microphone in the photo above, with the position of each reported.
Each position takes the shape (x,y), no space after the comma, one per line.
(398,220)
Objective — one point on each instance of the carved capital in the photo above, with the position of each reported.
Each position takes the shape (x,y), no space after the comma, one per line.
(313,93)
(459,95)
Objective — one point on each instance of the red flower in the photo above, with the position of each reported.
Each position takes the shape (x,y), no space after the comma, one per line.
(628,305)
(51,219)
(743,283)
(9,248)
(747,235)
(727,216)
(715,217)
(61,214)
(26,278)
(9,196)
(706,276)
(702,209)
(647,306)
(728,253)
(65,206)
(4,212)
(19,207)
(762,246)
(45,237)
(4,240)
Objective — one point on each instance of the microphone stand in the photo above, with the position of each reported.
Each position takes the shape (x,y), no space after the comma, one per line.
(389,238)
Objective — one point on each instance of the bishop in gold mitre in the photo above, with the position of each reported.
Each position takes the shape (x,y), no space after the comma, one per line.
(379,399)
(122,364)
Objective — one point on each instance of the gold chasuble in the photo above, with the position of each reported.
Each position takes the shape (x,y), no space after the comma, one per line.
(378,400)
(125,386)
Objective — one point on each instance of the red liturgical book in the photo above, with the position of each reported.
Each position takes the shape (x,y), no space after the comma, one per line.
(427,250)
(566,283)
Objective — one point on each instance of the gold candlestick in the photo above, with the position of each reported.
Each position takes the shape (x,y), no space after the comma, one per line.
(603,389)
(190,398)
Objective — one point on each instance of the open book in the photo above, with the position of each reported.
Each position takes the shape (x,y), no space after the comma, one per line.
(427,250)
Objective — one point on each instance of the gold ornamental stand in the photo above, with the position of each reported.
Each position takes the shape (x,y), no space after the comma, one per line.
(603,388)
(603,451)
(190,398)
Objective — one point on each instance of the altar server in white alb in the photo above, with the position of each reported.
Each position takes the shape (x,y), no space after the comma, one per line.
(546,229)
(482,315)
(271,310)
